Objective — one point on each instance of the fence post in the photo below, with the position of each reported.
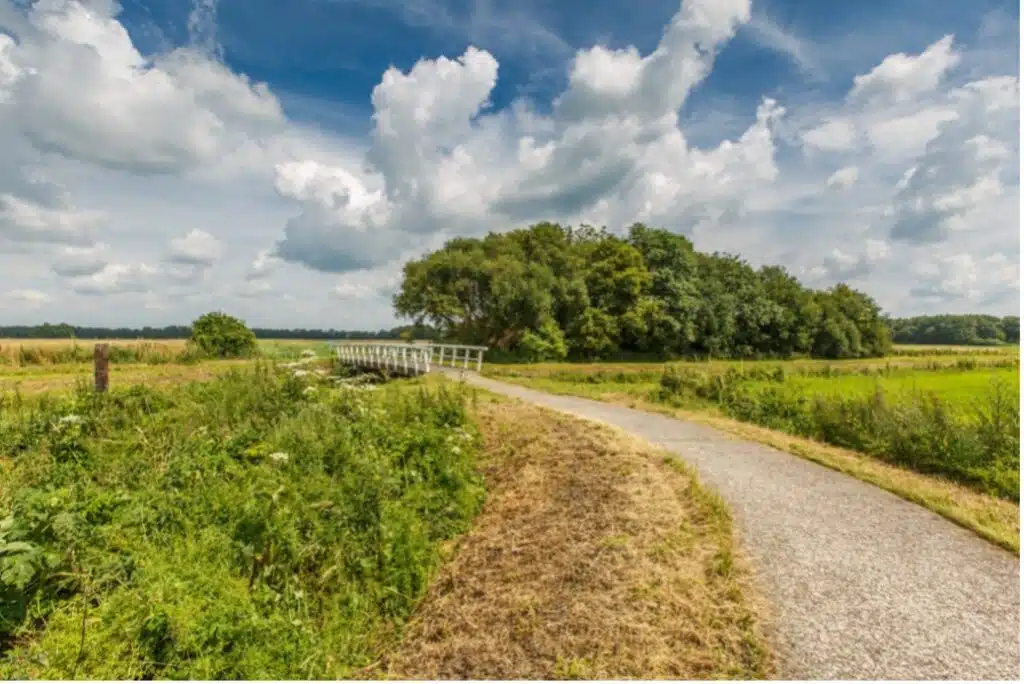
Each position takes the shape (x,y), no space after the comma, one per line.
(101,367)
(479,359)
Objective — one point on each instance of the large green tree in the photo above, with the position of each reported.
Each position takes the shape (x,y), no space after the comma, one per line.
(551,291)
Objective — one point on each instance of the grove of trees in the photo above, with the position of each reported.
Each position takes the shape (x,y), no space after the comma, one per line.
(969,329)
(554,292)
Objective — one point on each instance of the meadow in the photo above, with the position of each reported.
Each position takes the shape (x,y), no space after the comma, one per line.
(939,427)
(256,525)
(247,519)
(50,352)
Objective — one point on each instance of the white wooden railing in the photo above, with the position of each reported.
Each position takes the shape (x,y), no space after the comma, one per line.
(409,359)
(457,355)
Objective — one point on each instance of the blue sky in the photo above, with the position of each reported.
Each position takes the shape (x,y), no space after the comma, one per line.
(290,204)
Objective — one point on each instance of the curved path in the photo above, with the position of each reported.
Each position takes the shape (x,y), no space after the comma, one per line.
(864,585)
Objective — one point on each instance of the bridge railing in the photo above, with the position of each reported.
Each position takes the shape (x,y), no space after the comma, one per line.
(406,359)
(409,359)
(457,355)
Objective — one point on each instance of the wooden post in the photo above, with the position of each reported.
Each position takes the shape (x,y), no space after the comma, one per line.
(479,359)
(101,366)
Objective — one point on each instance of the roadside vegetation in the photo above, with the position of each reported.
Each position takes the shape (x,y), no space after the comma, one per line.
(942,431)
(279,523)
(259,525)
(960,424)
(597,556)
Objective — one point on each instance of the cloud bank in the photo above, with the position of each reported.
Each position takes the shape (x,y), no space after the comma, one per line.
(172,181)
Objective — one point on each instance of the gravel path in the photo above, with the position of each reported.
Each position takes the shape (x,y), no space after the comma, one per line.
(864,585)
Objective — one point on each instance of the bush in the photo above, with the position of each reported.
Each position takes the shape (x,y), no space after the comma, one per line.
(217,334)
(546,344)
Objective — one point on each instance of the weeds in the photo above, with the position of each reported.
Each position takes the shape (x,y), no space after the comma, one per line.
(977,445)
(245,528)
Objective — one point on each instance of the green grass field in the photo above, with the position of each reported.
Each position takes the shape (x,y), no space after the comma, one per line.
(961,389)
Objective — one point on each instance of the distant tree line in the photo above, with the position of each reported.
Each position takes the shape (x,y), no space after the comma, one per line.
(177,332)
(552,292)
(969,329)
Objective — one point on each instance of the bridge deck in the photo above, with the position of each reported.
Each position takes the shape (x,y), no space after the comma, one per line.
(409,359)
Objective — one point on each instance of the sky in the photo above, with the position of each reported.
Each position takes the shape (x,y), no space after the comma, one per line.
(280,160)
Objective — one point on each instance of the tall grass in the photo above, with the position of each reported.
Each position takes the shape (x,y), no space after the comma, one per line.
(53,352)
(253,527)
(977,445)
(61,351)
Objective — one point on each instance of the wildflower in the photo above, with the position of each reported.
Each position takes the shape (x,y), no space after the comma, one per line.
(309,390)
(300,373)
(308,354)
(279,457)
(71,419)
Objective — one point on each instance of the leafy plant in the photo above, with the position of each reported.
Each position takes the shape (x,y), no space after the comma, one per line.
(241,528)
(217,334)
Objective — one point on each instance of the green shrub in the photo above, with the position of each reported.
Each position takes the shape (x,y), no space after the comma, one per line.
(219,335)
(546,344)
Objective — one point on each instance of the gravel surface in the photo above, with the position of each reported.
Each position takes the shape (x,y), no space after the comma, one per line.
(863,584)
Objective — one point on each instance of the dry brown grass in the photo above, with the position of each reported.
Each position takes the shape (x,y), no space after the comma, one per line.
(41,352)
(63,377)
(596,556)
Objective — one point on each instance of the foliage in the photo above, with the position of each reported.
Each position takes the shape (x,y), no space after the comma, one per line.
(977,444)
(259,526)
(650,293)
(968,329)
(219,335)
(546,344)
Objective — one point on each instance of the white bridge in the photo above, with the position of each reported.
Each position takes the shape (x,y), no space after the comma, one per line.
(409,359)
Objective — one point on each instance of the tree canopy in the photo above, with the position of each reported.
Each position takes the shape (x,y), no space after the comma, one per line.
(217,334)
(969,329)
(550,292)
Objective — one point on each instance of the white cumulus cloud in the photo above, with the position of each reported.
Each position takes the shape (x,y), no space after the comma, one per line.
(115,161)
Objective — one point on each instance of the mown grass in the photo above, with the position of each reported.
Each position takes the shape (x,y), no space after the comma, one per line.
(255,526)
(960,389)
(597,556)
(971,498)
